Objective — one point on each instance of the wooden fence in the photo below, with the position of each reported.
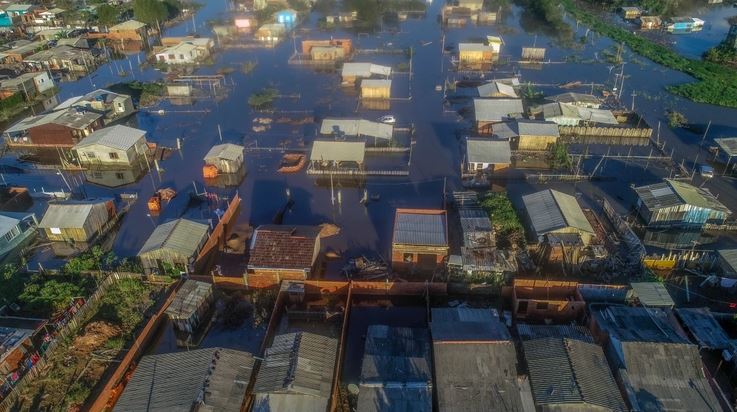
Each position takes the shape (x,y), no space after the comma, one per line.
(639,132)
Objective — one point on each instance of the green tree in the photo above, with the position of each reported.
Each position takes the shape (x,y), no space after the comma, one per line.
(107,15)
(124,303)
(150,11)
(49,297)
(504,217)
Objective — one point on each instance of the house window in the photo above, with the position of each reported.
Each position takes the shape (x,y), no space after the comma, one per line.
(55,230)
(162,58)
(90,155)
(114,156)
(181,57)
(12,234)
(120,176)
(172,57)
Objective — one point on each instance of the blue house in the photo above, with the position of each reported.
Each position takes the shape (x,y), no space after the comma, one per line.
(5,20)
(676,204)
(287,17)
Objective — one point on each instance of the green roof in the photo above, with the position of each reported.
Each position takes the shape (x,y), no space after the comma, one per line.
(695,196)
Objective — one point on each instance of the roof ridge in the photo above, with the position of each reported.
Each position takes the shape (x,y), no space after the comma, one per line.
(569,349)
(560,208)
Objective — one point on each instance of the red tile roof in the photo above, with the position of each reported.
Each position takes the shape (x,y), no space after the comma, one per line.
(283,247)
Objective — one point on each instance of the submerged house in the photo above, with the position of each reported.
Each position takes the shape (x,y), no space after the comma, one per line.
(77,220)
(497,88)
(528,135)
(577,99)
(483,154)
(211,379)
(351,72)
(566,114)
(114,146)
(131,30)
(174,245)
(61,128)
(420,240)
(475,53)
(487,112)
(188,51)
(376,89)
(330,50)
(673,203)
(284,252)
(630,13)
(113,106)
(287,17)
(396,371)
(373,132)
(296,374)
(225,158)
(271,32)
(554,213)
(650,22)
(331,154)
(192,302)
(15,229)
(684,24)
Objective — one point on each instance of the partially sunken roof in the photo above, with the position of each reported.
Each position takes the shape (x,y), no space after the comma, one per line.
(181,236)
(337,151)
(365,70)
(283,247)
(226,151)
(376,83)
(571,372)
(474,47)
(495,88)
(530,128)
(188,299)
(200,379)
(70,214)
(115,137)
(653,294)
(296,374)
(670,193)
(553,110)
(575,98)
(356,127)
(422,227)
(496,110)
(396,370)
(482,150)
(75,118)
(550,210)
(667,377)
(704,327)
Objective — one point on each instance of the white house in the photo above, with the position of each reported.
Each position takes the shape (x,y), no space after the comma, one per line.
(186,52)
(118,145)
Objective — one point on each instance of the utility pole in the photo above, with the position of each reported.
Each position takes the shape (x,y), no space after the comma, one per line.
(705,132)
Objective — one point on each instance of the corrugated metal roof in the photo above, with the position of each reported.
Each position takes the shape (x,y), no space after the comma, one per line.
(573,98)
(213,379)
(116,137)
(530,332)
(336,151)
(653,294)
(297,373)
(356,127)
(730,257)
(396,359)
(550,210)
(227,151)
(704,327)
(128,25)
(496,110)
(596,293)
(627,324)
(412,227)
(667,377)
(463,47)
(467,324)
(480,150)
(658,196)
(181,236)
(70,214)
(537,128)
(188,299)
(554,110)
(696,196)
(568,371)
(495,88)
(9,220)
(365,70)
(728,145)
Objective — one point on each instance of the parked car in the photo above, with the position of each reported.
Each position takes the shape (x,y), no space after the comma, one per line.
(706,171)
(388,119)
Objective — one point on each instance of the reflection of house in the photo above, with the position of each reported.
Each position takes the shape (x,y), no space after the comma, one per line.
(554,213)
(376,89)
(78,220)
(673,203)
(577,99)
(653,361)
(131,30)
(354,71)
(15,229)
(343,17)
(484,154)
(227,157)
(187,51)
(420,240)
(187,310)
(473,5)
(490,111)
(61,128)
(116,146)
(284,252)
(569,373)
(173,245)
(271,32)
(336,154)
(287,17)
(539,300)
(465,343)
(565,114)
(474,53)
(112,177)
(296,374)
(650,22)
(113,106)
(212,379)
(396,373)
(340,128)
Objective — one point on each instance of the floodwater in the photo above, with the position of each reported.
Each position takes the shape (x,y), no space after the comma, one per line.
(435,159)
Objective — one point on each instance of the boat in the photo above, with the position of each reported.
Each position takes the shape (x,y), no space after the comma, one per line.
(292,163)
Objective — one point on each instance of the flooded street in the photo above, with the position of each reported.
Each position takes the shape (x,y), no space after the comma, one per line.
(434,162)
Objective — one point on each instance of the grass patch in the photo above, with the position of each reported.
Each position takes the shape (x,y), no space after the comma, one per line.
(717,84)
(504,217)
(559,158)
(262,98)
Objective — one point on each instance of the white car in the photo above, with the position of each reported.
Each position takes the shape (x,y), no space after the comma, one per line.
(389,119)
